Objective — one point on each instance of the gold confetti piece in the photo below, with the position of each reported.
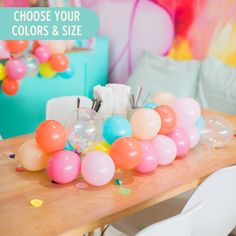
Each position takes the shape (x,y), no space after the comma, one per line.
(36,202)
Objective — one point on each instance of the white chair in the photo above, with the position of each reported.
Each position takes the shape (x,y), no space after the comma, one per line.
(59,108)
(216,218)
(179,225)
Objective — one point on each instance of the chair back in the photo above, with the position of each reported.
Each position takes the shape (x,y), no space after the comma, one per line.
(217,217)
(179,225)
(60,108)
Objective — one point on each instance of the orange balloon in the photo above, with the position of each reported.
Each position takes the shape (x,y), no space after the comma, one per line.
(31,156)
(9,86)
(51,136)
(126,153)
(168,118)
(59,62)
(17,46)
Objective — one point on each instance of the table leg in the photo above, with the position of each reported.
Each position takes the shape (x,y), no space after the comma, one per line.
(91,233)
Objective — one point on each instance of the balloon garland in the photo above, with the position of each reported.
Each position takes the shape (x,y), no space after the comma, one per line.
(154,136)
(21,58)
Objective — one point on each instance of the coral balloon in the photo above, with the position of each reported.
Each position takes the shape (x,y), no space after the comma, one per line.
(51,136)
(149,160)
(165,149)
(187,112)
(116,127)
(97,168)
(16,68)
(59,62)
(168,118)
(42,53)
(17,46)
(181,139)
(164,99)
(126,153)
(10,87)
(194,136)
(31,156)
(63,166)
(145,123)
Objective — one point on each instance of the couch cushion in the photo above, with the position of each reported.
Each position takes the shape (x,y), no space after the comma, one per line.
(163,74)
(217,86)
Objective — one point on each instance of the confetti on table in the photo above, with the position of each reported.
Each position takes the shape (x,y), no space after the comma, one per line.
(12,155)
(118,182)
(125,191)
(235,135)
(20,169)
(36,202)
(141,227)
(81,185)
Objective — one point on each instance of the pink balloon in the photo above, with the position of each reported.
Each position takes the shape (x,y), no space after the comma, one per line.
(97,168)
(16,69)
(194,136)
(42,53)
(165,148)
(4,53)
(187,112)
(14,3)
(149,161)
(182,142)
(63,166)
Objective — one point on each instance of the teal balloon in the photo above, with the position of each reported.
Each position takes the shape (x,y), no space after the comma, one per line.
(151,105)
(68,73)
(200,123)
(116,127)
(68,147)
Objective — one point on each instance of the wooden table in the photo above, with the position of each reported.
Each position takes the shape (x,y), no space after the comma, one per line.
(68,210)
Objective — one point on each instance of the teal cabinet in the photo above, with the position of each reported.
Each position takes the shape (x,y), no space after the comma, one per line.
(21,114)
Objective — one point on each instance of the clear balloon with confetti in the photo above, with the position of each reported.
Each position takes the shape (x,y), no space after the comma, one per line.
(83,128)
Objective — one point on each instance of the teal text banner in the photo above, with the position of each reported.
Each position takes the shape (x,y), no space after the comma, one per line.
(43,23)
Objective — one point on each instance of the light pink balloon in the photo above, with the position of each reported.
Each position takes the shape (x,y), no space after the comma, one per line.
(181,140)
(16,69)
(144,25)
(164,99)
(4,53)
(56,46)
(194,136)
(165,148)
(43,42)
(97,168)
(187,112)
(42,53)
(63,166)
(149,161)
(70,44)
